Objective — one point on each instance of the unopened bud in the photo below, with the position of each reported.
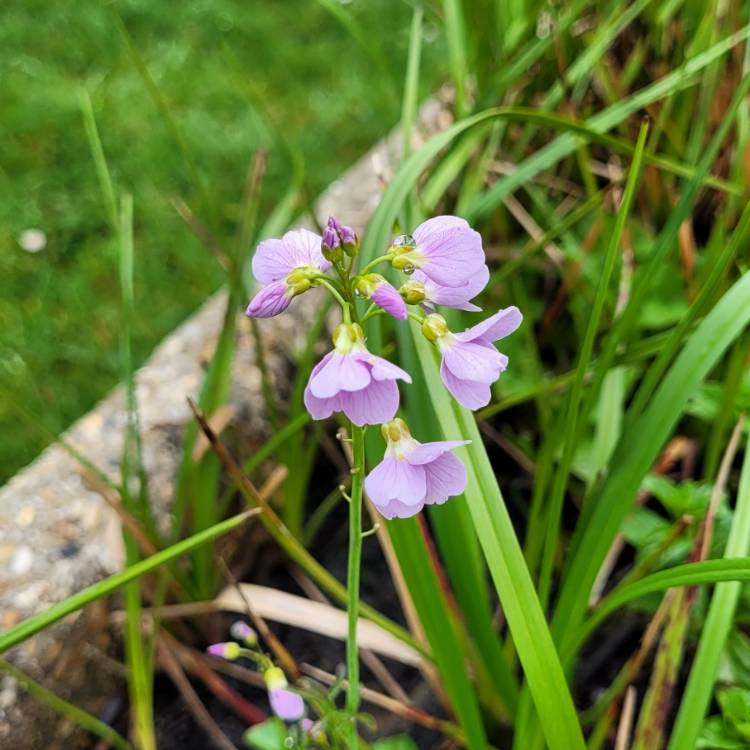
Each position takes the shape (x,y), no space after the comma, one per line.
(434,327)
(345,237)
(331,245)
(274,678)
(413,292)
(241,631)
(229,651)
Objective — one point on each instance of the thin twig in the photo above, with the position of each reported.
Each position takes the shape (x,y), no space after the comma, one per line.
(626,720)
(283,657)
(199,711)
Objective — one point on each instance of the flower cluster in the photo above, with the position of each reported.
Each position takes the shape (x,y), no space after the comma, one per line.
(445,265)
(285,703)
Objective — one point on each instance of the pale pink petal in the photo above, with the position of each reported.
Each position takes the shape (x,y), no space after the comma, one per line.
(496,327)
(394,479)
(376,404)
(269,301)
(307,245)
(396,509)
(382,369)
(457,297)
(452,251)
(446,477)
(275,260)
(468,393)
(438,224)
(424,453)
(286,705)
(339,372)
(474,361)
(387,298)
(321,408)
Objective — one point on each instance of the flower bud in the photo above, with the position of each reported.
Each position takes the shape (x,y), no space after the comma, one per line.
(339,236)
(413,292)
(229,651)
(331,245)
(434,327)
(241,631)
(275,678)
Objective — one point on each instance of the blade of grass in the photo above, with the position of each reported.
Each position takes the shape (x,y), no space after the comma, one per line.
(34,624)
(455,33)
(715,628)
(140,669)
(569,440)
(460,551)
(566,144)
(507,566)
(639,448)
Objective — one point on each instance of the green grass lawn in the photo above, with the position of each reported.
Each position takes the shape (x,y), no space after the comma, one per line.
(235,75)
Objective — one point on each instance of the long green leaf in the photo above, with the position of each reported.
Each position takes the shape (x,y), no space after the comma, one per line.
(528,627)
(639,448)
(566,144)
(718,623)
(32,625)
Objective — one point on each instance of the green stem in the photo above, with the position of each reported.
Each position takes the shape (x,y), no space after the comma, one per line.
(332,289)
(353,571)
(387,258)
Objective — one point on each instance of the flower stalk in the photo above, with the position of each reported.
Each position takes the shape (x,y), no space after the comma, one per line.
(353,574)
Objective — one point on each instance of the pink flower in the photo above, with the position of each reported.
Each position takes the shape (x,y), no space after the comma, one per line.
(413,474)
(287,267)
(451,296)
(446,249)
(352,380)
(373,286)
(470,361)
(284,703)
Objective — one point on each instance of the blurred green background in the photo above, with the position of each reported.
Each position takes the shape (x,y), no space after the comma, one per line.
(288,75)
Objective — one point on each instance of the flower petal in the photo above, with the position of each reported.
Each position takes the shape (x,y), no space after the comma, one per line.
(458,296)
(275,259)
(468,393)
(446,477)
(396,509)
(340,372)
(321,408)
(387,298)
(451,251)
(382,369)
(269,301)
(424,453)
(496,327)
(307,245)
(394,479)
(286,705)
(474,361)
(438,224)
(376,404)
